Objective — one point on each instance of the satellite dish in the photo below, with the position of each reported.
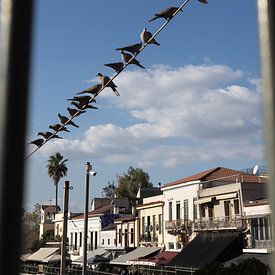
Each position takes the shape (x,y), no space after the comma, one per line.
(255,169)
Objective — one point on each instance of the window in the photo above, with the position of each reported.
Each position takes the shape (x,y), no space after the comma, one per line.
(170,245)
(160,223)
(236,207)
(195,209)
(148,224)
(143,225)
(57,230)
(119,235)
(185,206)
(109,241)
(75,241)
(170,210)
(178,245)
(72,238)
(80,239)
(202,210)
(95,239)
(102,242)
(132,236)
(177,210)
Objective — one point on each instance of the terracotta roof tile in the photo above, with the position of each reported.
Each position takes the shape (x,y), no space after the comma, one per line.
(221,173)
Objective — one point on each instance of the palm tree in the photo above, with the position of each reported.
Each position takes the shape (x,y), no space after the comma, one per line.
(56,170)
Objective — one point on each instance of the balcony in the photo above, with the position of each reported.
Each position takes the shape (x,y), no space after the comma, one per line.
(177,224)
(221,223)
(149,238)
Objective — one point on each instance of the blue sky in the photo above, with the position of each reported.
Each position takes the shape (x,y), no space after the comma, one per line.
(197,105)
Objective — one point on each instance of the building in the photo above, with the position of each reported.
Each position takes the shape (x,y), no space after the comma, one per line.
(150,221)
(47,213)
(104,212)
(210,200)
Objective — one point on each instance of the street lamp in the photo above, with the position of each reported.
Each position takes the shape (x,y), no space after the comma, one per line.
(88,172)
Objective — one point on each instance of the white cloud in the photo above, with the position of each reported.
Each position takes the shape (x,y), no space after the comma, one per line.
(192,113)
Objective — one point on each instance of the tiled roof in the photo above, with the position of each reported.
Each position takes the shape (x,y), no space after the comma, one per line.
(127,217)
(96,212)
(221,174)
(149,203)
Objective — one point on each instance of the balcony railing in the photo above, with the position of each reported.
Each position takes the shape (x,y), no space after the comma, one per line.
(148,238)
(220,223)
(177,224)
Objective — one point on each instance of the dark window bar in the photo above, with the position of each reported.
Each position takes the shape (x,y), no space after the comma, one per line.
(16,24)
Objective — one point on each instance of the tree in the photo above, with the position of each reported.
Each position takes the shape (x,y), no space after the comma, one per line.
(109,190)
(56,170)
(128,184)
(30,226)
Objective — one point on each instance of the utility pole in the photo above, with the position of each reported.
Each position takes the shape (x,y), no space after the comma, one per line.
(88,168)
(88,172)
(65,225)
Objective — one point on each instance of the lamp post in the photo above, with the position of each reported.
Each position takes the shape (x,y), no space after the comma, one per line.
(88,172)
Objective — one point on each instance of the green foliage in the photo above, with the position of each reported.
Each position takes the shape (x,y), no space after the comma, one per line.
(57,167)
(129,183)
(109,190)
(30,229)
(56,170)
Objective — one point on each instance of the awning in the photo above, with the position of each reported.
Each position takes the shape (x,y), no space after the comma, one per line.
(226,196)
(43,254)
(135,254)
(162,258)
(92,256)
(264,258)
(203,200)
(208,247)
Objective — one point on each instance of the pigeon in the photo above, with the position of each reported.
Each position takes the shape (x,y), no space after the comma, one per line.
(145,36)
(92,90)
(166,13)
(85,99)
(65,120)
(126,57)
(58,127)
(38,142)
(104,80)
(75,112)
(203,1)
(135,48)
(47,135)
(118,66)
(81,106)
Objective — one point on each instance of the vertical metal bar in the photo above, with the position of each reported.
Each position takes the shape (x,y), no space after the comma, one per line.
(65,226)
(266,15)
(16,23)
(88,167)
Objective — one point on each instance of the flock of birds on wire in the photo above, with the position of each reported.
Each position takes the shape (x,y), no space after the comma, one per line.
(84,99)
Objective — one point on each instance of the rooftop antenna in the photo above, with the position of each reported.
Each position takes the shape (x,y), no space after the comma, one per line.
(255,169)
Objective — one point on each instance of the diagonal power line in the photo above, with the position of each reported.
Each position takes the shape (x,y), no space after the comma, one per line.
(112,78)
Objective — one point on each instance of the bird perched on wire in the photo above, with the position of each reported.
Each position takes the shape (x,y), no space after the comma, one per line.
(58,127)
(81,106)
(166,13)
(84,99)
(104,80)
(75,112)
(203,1)
(38,142)
(134,48)
(126,57)
(145,36)
(65,120)
(47,135)
(117,66)
(92,90)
